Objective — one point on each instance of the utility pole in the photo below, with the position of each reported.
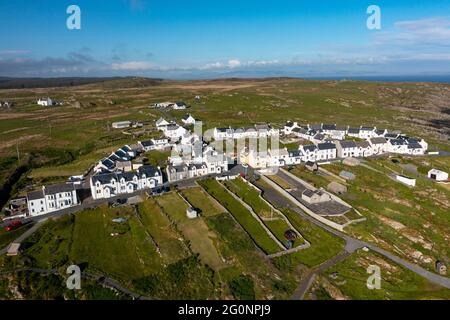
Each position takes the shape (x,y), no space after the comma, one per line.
(18,153)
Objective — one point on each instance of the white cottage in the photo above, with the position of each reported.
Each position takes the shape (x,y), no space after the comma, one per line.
(52,198)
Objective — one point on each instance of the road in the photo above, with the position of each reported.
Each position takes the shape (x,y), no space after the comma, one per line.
(310,276)
(353,244)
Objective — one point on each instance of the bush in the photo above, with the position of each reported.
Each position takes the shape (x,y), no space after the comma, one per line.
(242,288)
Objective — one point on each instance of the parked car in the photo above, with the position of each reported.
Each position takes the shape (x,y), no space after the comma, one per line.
(14,225)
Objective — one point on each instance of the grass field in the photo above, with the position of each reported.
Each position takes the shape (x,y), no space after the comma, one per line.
(242,215)
(414,220)
(271,218)
(349,281)
(6,237)
(201,238)
(203,202)
(164,234)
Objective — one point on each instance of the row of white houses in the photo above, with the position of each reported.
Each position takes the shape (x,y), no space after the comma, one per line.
(257,131)
(111,184)
(52,198)
(332,150)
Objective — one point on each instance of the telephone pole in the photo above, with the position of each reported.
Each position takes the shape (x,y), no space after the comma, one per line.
(18,153)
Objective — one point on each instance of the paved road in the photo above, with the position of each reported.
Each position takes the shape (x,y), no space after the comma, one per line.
(308,279)
(353,244)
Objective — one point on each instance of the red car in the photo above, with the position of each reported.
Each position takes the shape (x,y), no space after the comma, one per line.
(13,225)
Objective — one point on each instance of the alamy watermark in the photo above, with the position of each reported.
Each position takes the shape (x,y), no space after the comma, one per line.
(374,280)
(74,280)
(374,20)
(73,22)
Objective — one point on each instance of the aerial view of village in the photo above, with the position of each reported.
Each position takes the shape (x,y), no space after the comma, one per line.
(241,179)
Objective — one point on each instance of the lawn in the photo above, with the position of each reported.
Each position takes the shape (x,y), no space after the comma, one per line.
(6,237)
(164,234)
(349,281)
(242,215)
(201,238)
(202,201)
(271,218)
(411,222)
(126,256)
(324,245)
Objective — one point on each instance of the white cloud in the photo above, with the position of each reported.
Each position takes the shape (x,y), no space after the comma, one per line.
(133,66)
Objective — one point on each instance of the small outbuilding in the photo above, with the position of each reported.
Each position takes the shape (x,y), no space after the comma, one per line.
(312,166)
(13,249)
(441,268)
(337,188)
(191,213)
(315,196)
(351,162)
(406,180)
(438,175)
(121,124)
(347,175)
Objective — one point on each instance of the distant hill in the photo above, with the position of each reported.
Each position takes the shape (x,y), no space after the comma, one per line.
(22,83)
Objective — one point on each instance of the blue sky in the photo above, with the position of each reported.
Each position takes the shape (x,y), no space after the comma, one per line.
(199,38)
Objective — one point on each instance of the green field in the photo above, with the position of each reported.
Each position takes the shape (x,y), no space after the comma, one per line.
(203,202)
(414,220)
(201,238)
(348,280)
(242,215)
(6,237)
(271,218)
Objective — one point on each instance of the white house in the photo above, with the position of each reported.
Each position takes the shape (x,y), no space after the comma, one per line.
(223,133)
(108,185)
(47,102)
(398,146)
(379,145)
(309,153)
(438,175)
(197,170)
(188,119)
(289,127)
(161,124)
(353,132)
(334,131)
(278,157)
(367,132)
(258,160)
(174,131)
(154,144)
(266,130)
(295,157)
(217,162)
(326,151)
(364,148)
(347,149)
(52,198)
(179,105)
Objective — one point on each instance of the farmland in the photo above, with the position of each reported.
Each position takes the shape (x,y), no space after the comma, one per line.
(158,252)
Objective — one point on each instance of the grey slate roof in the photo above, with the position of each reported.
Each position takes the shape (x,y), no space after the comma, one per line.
(34,195)
(347,144)
(58,188)
(326,146)
(378,140)
(310,148)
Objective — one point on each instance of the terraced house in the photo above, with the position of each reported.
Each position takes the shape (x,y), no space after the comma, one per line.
(52,198)
(108,185)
